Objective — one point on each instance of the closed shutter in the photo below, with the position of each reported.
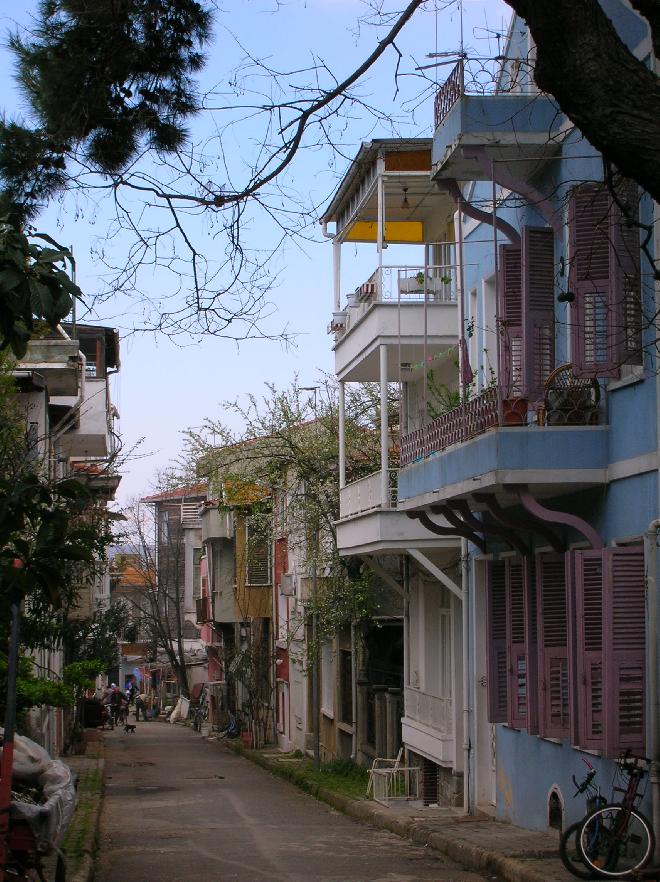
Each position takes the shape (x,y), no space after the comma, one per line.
(531,631)
(538,305)
(625,271)
(516,643)
(624,650)
(589,588)
(596,256)
(497,640)
(511,367)
(554,709)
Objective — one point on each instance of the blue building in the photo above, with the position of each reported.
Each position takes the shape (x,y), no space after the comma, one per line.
(527,466)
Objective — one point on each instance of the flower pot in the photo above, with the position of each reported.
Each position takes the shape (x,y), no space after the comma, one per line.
(514,411)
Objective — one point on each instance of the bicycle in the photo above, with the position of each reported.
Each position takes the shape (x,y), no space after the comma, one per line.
(617,839)
(569,850)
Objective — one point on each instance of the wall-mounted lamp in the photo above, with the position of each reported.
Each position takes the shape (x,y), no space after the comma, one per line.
(405,204)
(565,297)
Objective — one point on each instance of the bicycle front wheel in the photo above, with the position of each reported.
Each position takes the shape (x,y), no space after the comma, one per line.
(614,841)
(570,854)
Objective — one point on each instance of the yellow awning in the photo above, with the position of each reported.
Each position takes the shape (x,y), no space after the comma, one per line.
(396,232)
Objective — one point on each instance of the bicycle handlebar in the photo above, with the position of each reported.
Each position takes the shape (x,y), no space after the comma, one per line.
(580,787)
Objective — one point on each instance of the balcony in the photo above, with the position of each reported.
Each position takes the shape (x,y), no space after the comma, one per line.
(428,724)
(58,361)
(475,113)
(490,441)
(96,476)
(216,524)
(368,525)
(394,307)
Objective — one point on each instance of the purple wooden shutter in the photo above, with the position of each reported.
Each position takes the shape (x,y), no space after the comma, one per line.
(595,315)
(538,307)
(624,650)
(497,637)
(511,366)
(516,643)
(554,711)
(533,691)
(589,587)
(625,273)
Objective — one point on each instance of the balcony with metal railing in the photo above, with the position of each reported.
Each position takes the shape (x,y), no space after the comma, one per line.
(490,109)
(400,306)
(369,519)
(492,440)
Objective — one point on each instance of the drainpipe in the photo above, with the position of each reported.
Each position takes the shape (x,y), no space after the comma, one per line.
(353,693)
(465,585)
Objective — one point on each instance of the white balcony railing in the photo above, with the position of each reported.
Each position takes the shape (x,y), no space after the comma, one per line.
(429,710)
(438,283)
(366,494)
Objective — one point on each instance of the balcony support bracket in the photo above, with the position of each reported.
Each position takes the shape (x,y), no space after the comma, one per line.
(373,565)
(516,185)
(458,528)
(436,572)
(558,517)
(461,506)
(507,519)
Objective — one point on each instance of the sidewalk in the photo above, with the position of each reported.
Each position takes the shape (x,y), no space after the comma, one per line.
(479,843)
(80,840)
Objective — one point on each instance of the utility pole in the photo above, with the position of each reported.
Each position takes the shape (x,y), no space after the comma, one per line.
(316,709)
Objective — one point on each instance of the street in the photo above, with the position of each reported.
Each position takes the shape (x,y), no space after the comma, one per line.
(178,808)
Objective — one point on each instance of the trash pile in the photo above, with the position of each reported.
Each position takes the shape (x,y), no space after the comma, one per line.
(43,792)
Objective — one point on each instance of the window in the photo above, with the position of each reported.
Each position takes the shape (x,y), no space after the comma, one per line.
(197,573)
(346,686)
(537,610)
(328,680)
(257,546)
(527,313)
(606,315)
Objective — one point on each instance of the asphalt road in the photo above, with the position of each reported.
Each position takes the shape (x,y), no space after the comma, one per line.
(178,808)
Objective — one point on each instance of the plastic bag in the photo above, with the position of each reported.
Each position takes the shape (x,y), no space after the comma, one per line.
(34,766)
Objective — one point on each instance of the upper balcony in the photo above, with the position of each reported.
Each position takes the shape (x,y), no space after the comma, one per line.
(58,361)
(481,120)
(92,433)
(491,441)
(370,522)
(216,524)
(410,306)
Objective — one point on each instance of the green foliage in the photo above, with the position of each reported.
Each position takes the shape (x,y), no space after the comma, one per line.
(81,675)
(93,641)
(103,78)
(33,285)
(32,690)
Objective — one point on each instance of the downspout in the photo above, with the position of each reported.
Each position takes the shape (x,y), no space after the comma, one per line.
(651,554)
(465,585)
(479,214)
(353,694)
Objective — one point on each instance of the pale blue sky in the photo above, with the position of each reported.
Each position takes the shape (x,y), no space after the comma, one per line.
(164,387)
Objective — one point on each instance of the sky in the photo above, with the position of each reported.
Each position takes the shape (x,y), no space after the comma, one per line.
(168,385)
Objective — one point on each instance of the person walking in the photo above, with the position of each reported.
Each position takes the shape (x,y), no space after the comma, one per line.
(141,705)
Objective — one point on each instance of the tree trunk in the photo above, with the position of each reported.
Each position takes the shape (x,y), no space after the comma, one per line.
(611,96)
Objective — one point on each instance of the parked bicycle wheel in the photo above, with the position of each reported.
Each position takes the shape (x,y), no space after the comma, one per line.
(614,841)
(569,852)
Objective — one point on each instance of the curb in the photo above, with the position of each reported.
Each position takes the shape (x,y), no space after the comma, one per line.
(470,855)
(80,868)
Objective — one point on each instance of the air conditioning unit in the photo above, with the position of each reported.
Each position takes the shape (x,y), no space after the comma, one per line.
(287,585)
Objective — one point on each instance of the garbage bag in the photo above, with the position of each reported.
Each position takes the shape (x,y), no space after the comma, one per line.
(34,766)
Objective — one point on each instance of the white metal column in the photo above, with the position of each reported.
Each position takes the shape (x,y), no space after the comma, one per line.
(384,461)
(342,436)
